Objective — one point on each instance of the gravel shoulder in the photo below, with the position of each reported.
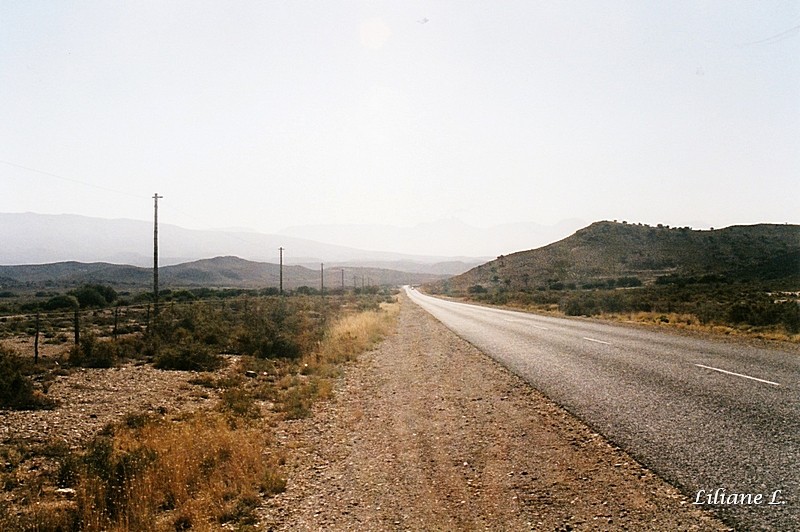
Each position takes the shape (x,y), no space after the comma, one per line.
(427,433)
(89,399)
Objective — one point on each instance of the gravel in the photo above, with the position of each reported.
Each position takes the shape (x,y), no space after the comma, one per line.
(89,399)
(427,433)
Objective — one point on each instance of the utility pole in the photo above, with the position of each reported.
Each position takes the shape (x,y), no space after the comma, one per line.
(155,253)
(342,281)
(322,279)
(281,271)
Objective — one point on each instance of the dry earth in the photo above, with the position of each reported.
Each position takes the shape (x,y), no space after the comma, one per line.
(90,399)
(427,433)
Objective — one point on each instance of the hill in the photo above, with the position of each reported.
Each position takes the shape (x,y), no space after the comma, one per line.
(641,254)
(217,272)
(30,238)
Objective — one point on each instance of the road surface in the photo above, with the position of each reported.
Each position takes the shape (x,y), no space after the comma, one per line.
(719,419)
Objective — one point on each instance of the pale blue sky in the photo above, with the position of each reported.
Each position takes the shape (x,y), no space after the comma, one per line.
(272,114)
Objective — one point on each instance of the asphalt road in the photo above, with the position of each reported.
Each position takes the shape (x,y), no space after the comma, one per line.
(718,416)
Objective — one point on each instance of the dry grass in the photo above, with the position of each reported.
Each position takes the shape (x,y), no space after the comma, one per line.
(658,318)
(673,320)
(344,340)
(692,323)
(354,334)
(212,468)
(196,473)
(204,470)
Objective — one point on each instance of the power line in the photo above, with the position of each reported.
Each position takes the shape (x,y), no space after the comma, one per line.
(775,38)
(123,193)
(71,180)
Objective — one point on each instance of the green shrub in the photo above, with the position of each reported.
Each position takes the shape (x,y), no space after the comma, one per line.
(579,305)
(189,356)
(94,295)
(477,289)
(197,322)
(239,402)
(61,302)
(93,353)
(269,346)
(790,316)
(181,296)
(16,388)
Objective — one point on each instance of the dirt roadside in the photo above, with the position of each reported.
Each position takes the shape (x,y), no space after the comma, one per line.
(427,433)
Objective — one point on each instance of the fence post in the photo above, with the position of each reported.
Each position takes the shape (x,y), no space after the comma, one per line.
(77,323)
(116,322)
(36,341)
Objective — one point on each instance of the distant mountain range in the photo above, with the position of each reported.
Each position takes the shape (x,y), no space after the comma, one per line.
(610,250)
(29,238)
(601,251)
(219,272)
(444,237)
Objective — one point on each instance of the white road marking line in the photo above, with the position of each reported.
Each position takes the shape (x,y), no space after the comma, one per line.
(738,375)
(598,341)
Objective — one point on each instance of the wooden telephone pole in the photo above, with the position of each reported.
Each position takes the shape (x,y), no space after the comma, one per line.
(155,254)
(281,272)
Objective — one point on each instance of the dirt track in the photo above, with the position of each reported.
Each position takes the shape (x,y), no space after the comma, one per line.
(427,433)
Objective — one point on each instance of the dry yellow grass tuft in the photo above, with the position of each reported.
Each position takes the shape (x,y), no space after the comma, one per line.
(691,322)
(343,341)
(354,334)
(196,473)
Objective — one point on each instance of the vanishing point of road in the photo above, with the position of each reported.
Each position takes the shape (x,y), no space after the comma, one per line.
(719,419)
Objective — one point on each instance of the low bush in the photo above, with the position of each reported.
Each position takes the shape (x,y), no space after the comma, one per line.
(188,356)
(197,473)
(239,402)
(93,353)
(477,289)
(61,303)
(757,307)
(203,471)
(297,400)
(94,295)
(16,388)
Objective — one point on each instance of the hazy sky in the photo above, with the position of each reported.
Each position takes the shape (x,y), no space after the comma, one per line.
(277,113)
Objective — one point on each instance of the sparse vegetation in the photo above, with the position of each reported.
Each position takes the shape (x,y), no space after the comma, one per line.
(94,296)
(188,356)
(93,353)
(212,468)
(16,387)
(743,279)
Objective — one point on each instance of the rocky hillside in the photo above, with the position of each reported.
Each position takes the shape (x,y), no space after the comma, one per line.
(642,254)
